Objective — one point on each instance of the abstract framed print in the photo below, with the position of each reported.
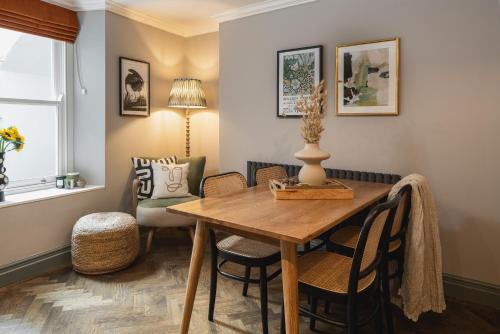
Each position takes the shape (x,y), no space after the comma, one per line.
(299,71)
(367,78)
(134,87)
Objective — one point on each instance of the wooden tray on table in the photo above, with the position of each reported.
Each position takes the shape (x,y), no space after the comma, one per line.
(291,189)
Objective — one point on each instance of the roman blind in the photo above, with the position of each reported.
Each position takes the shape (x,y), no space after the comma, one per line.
(39,18)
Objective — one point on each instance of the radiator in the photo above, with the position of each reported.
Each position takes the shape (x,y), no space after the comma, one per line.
(293,170)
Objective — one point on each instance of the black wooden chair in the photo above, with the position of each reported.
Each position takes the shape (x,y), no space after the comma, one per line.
(349,281)
(246,252)
(344,242)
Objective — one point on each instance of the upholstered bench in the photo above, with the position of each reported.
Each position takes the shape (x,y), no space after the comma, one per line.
(152,213)
(104,242)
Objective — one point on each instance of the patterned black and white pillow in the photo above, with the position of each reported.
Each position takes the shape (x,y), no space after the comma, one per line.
(144,172)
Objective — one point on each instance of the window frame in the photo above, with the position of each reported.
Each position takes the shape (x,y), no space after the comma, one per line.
(62,64)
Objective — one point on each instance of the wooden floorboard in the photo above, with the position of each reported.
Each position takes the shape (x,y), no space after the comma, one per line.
(148,298)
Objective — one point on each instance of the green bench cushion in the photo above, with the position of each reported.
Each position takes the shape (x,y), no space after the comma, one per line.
(150,203)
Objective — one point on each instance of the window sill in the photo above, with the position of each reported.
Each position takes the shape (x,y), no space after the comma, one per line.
(41,195)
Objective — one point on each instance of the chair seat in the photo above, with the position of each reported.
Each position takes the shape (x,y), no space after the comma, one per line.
(153,213)
(329,271)
(348,237)
(246,247)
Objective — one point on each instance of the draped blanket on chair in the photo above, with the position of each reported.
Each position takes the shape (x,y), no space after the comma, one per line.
(422,285)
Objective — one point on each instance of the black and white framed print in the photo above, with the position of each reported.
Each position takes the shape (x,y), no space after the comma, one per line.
(134,87)
(299,71)
(367,78)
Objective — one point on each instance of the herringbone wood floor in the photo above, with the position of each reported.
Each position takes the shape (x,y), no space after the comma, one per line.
(148,298)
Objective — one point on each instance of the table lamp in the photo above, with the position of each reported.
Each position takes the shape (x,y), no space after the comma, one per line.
(188,94)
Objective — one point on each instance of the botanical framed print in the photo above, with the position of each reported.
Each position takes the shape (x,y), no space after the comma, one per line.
(368,78)
(134,87)
(299,71)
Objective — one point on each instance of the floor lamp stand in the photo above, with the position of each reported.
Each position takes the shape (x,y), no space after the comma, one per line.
(188,135)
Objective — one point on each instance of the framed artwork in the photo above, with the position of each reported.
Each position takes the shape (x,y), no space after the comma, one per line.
(134,87)
(299,71)
(368,78)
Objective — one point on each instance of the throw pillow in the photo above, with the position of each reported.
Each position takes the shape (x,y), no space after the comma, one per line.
(170,180)
(144,172)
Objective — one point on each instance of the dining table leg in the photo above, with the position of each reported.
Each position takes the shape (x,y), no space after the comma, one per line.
(290,286)
(194,273)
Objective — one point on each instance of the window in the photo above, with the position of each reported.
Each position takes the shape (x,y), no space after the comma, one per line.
(32,97)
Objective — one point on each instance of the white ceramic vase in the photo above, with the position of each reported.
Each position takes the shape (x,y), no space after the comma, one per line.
(312,173)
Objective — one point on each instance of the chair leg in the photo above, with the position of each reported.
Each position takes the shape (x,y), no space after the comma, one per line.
(327,307)
(149,239)
(378,317)
(386,298)
(352,317)
(213,277)
(314,308)
(247,276)
(263,299)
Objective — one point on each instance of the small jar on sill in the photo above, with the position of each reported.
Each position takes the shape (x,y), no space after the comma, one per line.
(60,181)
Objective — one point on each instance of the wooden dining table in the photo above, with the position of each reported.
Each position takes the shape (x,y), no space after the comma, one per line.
(256,214)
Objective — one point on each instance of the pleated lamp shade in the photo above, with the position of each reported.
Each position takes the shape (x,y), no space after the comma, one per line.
(187,93)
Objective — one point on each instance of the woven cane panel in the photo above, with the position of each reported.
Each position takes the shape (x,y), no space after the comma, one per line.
(224,184)
(246,247)
(349,235)
(329,271)
(399,216)
(263,175)
(372,242)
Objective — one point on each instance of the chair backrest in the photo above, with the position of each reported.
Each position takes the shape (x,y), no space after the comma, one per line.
(373,241)
(195,173)
(263,175)
(222,184)
(402,213)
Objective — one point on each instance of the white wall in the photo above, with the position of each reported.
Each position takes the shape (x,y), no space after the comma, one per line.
(105,141)
(450,115)
(39,227)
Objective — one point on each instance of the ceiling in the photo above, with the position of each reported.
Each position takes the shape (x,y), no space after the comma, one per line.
(182,17)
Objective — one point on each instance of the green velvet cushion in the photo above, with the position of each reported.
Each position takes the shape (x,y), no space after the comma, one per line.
(195,174)
(150,203)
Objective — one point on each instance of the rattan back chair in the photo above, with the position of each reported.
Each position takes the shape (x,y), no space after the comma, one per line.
(263,175)
(222,184)
(247,252)
(348,281)
(344,242)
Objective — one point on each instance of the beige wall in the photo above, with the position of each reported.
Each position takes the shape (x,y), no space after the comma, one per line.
(448,129)
(202,62)
(31,229)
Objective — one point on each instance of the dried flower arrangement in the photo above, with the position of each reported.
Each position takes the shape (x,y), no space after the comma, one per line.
(311,107)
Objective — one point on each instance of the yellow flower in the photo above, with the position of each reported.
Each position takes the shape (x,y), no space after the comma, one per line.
(20,144)
(14,133)
(5,134)
(10,133)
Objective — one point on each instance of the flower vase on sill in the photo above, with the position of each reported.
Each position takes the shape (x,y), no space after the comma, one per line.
(311,172)
(10,139)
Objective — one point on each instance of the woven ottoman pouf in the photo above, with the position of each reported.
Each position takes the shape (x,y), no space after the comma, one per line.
(104,242)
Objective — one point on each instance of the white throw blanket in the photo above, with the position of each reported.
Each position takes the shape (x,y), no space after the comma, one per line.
(422,285)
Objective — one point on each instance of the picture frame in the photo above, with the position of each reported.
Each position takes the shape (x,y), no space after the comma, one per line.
(367,78)
(299,71)
(134,87)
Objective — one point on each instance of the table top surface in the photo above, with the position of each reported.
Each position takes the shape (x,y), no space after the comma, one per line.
(255,210)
